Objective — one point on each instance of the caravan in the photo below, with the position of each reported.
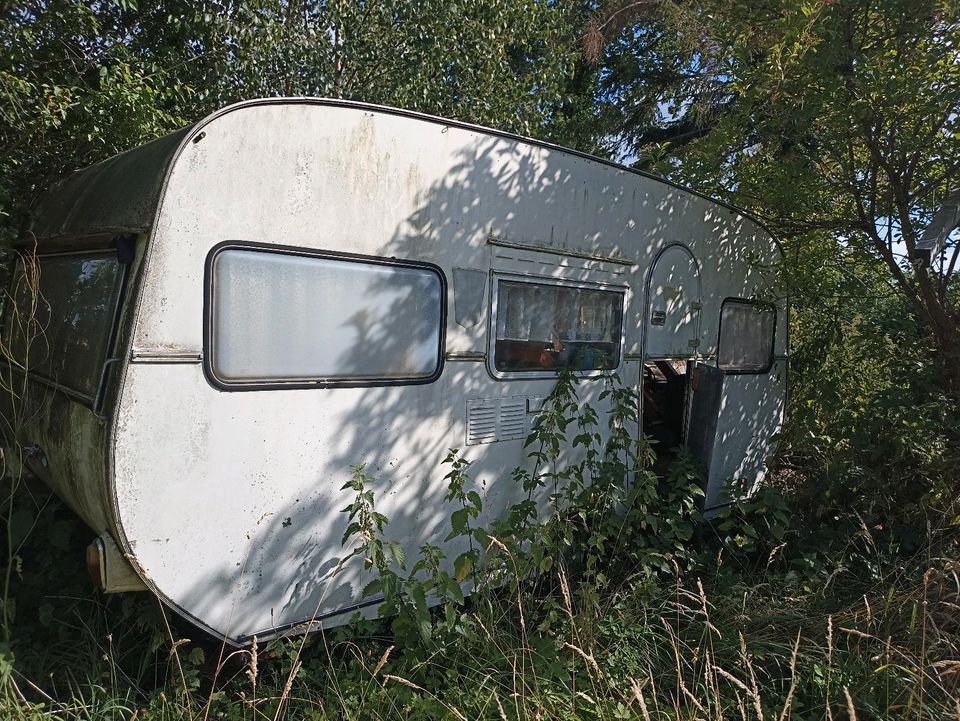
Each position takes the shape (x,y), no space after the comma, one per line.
(218,325)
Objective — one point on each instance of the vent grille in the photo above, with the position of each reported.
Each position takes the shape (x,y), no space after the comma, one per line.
(496,419)
(481,422)
(513,419)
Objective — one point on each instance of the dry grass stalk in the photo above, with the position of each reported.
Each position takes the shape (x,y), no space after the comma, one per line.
(851,711)
(638,695)
(653,692)
(288,685)
(415,687)
(754,689)
(176,657)
(923,629)
(565,592)
(774,553)
(733,679)
(855,632)
(177,644)
(503,714)
(383,661)
(681,684)
(706,610)
(829,665)
(498,543)
(710,674)
(402,681)
(588,657)
(252,669)
(951,666)
(586,697)
(788,703)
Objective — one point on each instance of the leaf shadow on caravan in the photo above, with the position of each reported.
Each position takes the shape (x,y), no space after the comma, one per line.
(500,208)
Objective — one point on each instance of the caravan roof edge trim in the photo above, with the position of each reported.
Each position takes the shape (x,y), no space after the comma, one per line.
(179,139)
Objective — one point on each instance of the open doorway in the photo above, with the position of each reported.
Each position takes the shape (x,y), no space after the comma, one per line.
(665,403)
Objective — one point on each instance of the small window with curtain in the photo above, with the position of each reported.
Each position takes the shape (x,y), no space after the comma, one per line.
(746,336)
(61,317)
(544,327)
(292,317)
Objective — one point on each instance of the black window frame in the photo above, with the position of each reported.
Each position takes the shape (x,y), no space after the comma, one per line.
(318,383)
(93,402)
(773,336)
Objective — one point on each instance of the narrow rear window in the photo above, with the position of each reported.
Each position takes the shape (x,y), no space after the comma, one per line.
(746,336)
(300,318)
(62,315)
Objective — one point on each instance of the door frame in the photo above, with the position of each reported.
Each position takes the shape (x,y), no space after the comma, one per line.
(691,356)
(647,300)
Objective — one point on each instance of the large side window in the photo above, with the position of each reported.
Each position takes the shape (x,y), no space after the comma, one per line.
(291,317)
(61,317)
(545,327)
(746,336)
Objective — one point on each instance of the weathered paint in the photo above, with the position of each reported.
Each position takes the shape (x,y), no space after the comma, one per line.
(229,502)
(67,449)
(120,194)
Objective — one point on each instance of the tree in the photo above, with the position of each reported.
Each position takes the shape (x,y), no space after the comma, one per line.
(837,121)
(84,81)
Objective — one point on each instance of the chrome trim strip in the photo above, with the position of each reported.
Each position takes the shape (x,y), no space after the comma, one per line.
(143,355)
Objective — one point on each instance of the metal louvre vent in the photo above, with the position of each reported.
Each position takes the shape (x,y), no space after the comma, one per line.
(481,422)
(513,419)
(496,419)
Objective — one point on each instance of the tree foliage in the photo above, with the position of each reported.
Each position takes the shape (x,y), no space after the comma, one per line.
(83,81)
(835,121)
(818,116)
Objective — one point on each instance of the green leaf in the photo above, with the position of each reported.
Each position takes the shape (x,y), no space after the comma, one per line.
(462,566)
(458,522)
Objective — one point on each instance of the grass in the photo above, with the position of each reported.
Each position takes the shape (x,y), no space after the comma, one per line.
(661,616)
(849,630)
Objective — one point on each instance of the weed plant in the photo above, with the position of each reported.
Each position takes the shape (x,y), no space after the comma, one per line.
(602,593)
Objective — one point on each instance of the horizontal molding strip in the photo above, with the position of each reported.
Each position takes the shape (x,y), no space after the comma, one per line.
(144,355)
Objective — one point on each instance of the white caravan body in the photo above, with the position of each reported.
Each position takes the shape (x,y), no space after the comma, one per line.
(252,306)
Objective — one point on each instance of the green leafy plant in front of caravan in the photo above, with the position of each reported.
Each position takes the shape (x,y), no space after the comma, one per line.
(404,599)
(617,515)
(755,526)
(590,511)
(406,594)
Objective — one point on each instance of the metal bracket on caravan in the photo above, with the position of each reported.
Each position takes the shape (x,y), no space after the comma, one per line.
(109,569)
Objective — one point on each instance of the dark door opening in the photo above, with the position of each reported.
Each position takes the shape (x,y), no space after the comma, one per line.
(664,403)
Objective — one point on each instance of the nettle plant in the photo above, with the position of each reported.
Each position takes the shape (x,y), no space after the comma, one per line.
(592,512)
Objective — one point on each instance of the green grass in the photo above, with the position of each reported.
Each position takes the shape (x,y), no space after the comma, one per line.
(848,629)
(626,603)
